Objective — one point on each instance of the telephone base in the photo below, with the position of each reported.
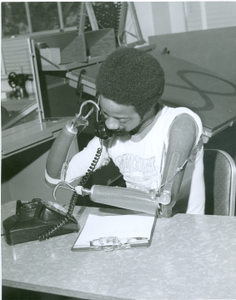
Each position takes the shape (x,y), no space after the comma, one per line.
(33,219)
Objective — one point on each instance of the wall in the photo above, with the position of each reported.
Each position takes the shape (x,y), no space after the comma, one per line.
(145,18)
(162,17)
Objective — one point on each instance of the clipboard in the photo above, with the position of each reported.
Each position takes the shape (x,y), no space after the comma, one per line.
(119,232)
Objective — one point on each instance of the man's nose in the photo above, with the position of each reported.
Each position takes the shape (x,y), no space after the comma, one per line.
(112,123)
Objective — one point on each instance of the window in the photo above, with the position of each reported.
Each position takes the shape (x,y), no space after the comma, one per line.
(70,12)
(24,18)
(44,16)
(14,19)
(208,15)
(221,14)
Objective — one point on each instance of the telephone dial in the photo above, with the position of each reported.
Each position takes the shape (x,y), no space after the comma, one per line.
(36,219)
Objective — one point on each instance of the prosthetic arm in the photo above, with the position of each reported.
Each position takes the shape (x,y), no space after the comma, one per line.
(57,158)
(182,137)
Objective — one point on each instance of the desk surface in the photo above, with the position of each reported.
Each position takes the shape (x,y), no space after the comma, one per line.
(208,94)
(27,135)
(190,257)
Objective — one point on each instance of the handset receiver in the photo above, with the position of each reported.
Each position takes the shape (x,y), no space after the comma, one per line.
(101,131)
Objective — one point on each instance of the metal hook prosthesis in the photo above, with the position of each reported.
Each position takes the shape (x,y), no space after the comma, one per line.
(85,103)
(89,113)
(80,190)
(64,185)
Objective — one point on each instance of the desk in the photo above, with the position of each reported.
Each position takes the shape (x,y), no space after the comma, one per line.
(30,134)
(190,257)
(206,93)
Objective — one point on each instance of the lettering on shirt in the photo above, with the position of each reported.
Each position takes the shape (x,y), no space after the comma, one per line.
(138,171)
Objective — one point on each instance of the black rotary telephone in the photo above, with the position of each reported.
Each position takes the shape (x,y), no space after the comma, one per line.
(34,218)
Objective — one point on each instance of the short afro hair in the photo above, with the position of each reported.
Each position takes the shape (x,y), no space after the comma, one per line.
(133,77)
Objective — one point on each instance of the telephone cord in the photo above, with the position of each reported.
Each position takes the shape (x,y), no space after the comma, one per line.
(47,234)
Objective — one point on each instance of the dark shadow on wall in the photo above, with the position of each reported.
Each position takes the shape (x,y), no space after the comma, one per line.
(225,140)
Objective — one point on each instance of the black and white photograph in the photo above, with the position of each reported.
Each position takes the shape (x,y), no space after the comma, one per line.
(118,150)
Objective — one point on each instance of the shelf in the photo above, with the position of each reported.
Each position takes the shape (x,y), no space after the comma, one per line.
(73,65)
(30,134)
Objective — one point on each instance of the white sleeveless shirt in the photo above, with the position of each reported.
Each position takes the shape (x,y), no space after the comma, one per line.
(142,162)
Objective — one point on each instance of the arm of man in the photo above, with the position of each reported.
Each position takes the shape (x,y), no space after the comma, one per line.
(59,168)
(182,137)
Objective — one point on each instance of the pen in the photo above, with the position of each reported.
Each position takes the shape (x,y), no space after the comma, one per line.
(138,239)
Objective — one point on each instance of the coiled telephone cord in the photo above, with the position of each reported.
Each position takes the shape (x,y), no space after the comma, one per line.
(48,233)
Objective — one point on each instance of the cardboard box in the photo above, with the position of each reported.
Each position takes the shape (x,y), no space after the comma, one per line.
(91,44)
(52,55)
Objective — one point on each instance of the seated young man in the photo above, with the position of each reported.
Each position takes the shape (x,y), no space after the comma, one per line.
(152,145)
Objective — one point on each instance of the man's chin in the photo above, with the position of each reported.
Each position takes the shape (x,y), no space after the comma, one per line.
(121,133)
(124,133)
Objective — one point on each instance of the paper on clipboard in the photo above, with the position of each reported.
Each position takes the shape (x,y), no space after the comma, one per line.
(137,229)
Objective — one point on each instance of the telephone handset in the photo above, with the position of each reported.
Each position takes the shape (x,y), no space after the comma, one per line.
(100,127)
(102,131)
(33,218)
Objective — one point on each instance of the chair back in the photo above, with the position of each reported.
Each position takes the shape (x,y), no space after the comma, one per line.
(220,182)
